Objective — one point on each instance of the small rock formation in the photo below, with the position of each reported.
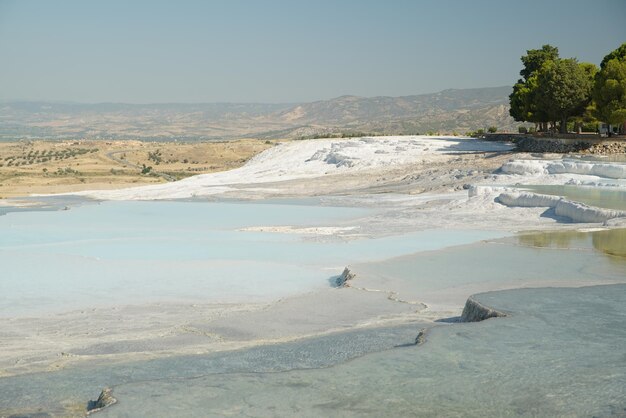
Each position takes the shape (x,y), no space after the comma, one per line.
(474,311)
(421,337)
(105,399)
(346,276)
(616,147)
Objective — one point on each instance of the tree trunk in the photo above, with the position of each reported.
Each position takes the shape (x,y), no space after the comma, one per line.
(564,125)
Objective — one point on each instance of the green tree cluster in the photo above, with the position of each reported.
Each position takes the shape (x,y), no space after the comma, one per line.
(552,90)
(609,92)
(523,100)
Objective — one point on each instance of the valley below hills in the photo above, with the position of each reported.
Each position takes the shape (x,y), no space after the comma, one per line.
(446,112)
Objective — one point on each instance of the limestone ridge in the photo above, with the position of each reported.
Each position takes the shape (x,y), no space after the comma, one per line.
(105,399)
(575,211)
(345,277)
(475,311)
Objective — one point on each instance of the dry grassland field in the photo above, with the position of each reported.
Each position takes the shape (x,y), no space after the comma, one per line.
(42,167)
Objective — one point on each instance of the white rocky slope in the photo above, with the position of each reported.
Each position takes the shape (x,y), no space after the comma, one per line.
(429,164)
(598,174)
(552,167)
(308,159)
(577,212)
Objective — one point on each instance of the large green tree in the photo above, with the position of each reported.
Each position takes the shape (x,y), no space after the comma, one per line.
(564,89)
(524,106)
(523,101)
(609,93)
(535,58)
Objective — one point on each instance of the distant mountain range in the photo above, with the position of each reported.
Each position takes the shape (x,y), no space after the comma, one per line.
(445,112)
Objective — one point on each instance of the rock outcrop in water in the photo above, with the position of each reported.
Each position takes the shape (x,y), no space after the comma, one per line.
(345,277)
(475,311)
(105,399)
(421,337)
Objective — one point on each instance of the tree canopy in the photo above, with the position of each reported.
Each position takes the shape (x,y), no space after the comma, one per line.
(552,89)
(535,58)
(523,100)
(609,92)
(619,54)
(564,89)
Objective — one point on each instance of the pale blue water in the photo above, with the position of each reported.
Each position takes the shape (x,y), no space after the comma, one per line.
(561,352)
(582,258)
(141,252)
(43,203)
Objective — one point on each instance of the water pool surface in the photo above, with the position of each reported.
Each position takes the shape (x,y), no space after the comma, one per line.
(140,252)
(559,353)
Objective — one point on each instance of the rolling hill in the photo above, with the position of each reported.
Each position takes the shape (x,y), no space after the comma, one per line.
(448,111)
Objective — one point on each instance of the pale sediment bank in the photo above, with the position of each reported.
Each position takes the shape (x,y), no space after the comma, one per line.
(304,160)
(536,167)
(575,211)
(316,230)
(408,165)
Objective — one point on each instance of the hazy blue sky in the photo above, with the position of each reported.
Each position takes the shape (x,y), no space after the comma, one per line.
(284,51)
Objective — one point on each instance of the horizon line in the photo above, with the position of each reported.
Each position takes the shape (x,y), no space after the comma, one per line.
(72,102)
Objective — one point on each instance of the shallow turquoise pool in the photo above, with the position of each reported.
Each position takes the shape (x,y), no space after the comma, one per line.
(139,252)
